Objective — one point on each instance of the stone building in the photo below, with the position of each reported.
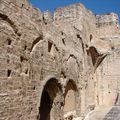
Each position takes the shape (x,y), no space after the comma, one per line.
(63,66)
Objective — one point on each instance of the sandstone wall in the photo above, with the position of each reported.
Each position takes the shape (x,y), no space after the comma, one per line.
(18,29)
(59,59)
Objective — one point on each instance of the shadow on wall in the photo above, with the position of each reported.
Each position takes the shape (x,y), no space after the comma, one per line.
(49,100)
(54,103)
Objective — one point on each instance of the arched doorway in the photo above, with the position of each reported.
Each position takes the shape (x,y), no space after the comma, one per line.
(45,107)
(70,99)
(50,100)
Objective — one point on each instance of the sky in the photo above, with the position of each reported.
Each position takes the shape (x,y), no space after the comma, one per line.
(97,6)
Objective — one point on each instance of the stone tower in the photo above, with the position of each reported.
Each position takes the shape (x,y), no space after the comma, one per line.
(63,66)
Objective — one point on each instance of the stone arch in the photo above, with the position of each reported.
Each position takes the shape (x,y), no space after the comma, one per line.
(35,42)
(50,103)
(70,99)
(10,22)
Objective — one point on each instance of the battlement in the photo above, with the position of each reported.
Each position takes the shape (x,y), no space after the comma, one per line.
(15,3)
(107,19)
(47,17)
(21,7)
(71,13)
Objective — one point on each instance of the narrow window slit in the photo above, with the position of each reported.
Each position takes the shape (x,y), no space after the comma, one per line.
(62,33)
(8,73)
(22,5)
(21,59)
(91,37)
(25,47)
(26,72)
(49,46)
(9,41)
(63,40)
(34,88)
(8,61)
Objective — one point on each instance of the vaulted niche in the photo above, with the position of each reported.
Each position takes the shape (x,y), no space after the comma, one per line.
(70,99)
(97,58)
(49,100)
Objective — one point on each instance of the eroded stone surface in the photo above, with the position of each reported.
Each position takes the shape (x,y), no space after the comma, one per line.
(59,67)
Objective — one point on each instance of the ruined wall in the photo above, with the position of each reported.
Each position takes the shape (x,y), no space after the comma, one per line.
(107,74)
(53,58)
(18,29)
(107,25)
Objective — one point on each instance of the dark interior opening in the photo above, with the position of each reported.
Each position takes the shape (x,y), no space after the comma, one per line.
(26,72)
(8,73)
(94,54)
(9,41)
(70,86)
(49,93)
(63,40)
(8,61)
(22,5)
(45,106)
(78,36)
(91,37)
(62,33)
(49,46)
(25,47)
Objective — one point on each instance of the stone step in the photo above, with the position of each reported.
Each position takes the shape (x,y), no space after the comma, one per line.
(113,114)
(97,114)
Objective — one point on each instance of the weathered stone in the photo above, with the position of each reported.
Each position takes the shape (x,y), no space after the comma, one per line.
(60,67)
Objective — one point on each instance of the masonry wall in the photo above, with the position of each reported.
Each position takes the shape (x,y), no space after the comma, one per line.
(41,53)
(16,37)
(107,25)
(30,55)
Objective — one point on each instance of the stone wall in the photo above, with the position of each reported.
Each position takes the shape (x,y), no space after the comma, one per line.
(107,25)
(53,67)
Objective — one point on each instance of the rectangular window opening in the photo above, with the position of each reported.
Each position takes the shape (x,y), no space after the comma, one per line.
(49,46)
(8,73)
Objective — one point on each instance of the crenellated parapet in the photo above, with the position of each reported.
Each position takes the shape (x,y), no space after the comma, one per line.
(107,20)
(71,13)
(20,7)
(107,25)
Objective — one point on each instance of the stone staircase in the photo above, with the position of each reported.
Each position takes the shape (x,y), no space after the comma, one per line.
(113,114)
(97,114)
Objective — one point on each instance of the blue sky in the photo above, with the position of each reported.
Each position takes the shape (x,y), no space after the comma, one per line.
(97,6)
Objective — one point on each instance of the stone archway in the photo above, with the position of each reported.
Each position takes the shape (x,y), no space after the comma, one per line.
(45,106)
(70,99)
(50,105)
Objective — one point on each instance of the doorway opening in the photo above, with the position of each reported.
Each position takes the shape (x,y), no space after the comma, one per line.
(49,98)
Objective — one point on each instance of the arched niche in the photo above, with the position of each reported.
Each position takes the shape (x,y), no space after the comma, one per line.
(70,98)
(50,104)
